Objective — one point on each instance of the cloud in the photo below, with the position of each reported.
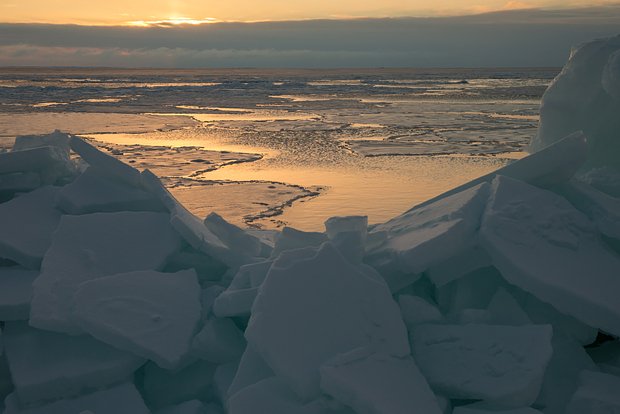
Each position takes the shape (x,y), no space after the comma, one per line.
(522,37)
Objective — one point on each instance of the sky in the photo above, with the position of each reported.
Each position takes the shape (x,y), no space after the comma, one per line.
(319,33)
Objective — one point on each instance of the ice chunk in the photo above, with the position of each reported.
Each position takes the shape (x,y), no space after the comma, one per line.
(545,246)
(207,268)
(121,399)
(190,227)
(18,182)
(252,369)
(164,388)
(373,383)
(426,236)
(597,393)
(15,293)
(56,139)
(235,302)
(235,237)
(336,225)
(91,246)
(223,377)
(43,160)
(106,164)
(310,310)
(416,310)
(46,365)
(562,376)
(291,239)
(458,266)
(584,97)
(151,314)
(505,310)
(602,209)
(500,364)
(187,407)
(93,192)
(481,409)
(219,341)
(27,224)
(267,396)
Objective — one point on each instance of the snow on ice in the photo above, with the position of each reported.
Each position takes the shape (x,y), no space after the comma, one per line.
(499,296)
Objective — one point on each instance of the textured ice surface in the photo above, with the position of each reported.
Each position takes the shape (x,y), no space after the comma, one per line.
(16,293)
(501,364)
(597,393)
(428,235)
(120,399)
(160,312)
(47,366)
(378,384)
(585,97)
(542,244)
(27,224)
(90,246)
(93,192)
(315,308)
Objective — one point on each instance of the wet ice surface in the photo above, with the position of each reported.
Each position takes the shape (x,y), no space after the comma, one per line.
(372,142)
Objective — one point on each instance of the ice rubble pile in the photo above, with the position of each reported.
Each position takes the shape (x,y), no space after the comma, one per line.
(499,296)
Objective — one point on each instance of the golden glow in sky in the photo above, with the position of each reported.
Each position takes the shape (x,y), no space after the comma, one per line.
(192,12)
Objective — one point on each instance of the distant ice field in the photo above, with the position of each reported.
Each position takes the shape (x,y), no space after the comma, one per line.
(267,148)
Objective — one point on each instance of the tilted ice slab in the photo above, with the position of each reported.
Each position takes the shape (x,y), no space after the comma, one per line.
(190,227)
(27,223)
(314,306)
(46,365)
(502,364)
(91,246)
(373,383)
(597,393)
(121,399)
(543,245)
(16,293)
(35,159)
(148,313)
(425,236)
(93,192)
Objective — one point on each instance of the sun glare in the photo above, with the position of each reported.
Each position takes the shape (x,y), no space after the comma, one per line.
(172,21)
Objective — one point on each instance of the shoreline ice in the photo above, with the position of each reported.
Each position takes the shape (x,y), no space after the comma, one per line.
(498,296)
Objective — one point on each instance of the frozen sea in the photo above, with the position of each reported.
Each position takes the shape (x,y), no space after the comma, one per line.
(267,148)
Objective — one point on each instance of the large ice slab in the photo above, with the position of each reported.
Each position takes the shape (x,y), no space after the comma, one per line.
(27,224)
(252,369)
(426,236)
(105,164)
(47,366)
(542,244)
(90,246)
(372,383)
(235,237)
(16,293)
(93,192)
(314,308)
(597,393)
(41,160)
(585,97)
(291,239)
(151,314)
(500,364)
(121,399)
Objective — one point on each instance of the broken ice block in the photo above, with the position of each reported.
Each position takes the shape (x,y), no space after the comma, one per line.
(90,246)
(270,395)
(373,383)
(310,310)
(16,293)
(416,310)
(291,239)
(93,192)
(120,399)
(27,224)
(597,393)
(424,237)
(160,312)
(47,366)
(219,341)
(235,237)
(543,245)
(500,364)
(252,369)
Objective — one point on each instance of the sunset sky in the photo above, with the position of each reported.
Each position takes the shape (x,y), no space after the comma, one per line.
(115,12)
(278,33)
